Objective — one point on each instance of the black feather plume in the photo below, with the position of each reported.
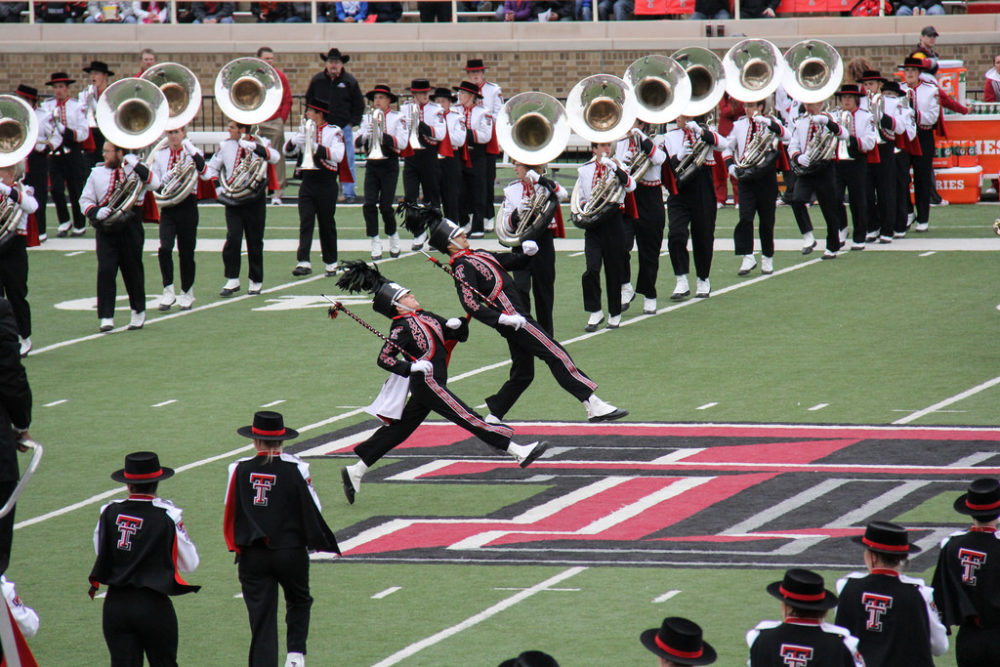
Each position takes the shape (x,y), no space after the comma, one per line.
(358,276)
(417,217)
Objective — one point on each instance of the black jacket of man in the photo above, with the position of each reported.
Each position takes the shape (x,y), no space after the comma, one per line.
(342,96)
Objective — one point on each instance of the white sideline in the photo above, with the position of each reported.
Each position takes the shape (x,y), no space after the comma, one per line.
(438,637)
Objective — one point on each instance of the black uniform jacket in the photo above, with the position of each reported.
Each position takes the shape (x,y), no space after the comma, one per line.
(342,96)
(487,273)
(802,642)
(424,335)
(967,579)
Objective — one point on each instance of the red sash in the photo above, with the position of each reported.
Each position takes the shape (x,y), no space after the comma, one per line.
(205,190)
(33,239)
(444,148)
(556,224)
(150,211)
(631,211)
(668,178)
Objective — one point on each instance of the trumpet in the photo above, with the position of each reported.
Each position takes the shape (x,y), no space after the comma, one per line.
(414,140)
(308,129)
(90,101)
(376,123)
(18,135)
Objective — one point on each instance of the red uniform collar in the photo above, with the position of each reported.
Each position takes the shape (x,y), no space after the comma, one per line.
(140,496)
(792,620)
(983,529)
(886,572)
(399,317)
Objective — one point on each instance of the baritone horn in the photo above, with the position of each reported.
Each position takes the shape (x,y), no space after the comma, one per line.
(662,88)
(180,87)
(601,108)
(533,128)
(708,80)
(814,71)
(248,90)
(753,68)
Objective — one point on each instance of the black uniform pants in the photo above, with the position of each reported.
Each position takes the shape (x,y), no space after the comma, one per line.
(903,203)
(757,197)
(420,173)
(178,224)
(428,394)
(139,621)
(473,195)
(7,523)
(821,183)
(66,175)
(604,244)
(491,178)
(799,210)
(317,206)
(261,571)
(92,158)
(852,175)
(38,178)
(245,219)
(647,234)
(381,177)
(882,191)
(120,249)
(526,344)
(923,175)
(450,180)
(977,647)
(538,280)
(14,281)
(691,213)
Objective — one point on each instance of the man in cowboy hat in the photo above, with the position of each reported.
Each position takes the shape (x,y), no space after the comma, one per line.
(342,94)
(142,547)
(477,188)
(891,614)
(678,642)
(37,169)
(450,151)
(66,172)
(492,102)
(382,174)
(967,578)
(802,638)
(852,169)
(100,79)
(15,418)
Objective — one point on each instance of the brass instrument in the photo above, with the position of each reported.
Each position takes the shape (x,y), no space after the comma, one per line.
(814,71)
(535,217)
(181,88)
(414,140)
(90,97)
(662,88)
(132,113)
(996,226)
(847,122)
(760,152)
(376,126)
(821,149)
(179,181)
(754,68)
(876,106)
(308,130)
(248,90)
(604,195)
(708,84)
(691,162)
(601,108)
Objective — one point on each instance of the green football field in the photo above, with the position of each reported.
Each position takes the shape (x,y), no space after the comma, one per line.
(905,335)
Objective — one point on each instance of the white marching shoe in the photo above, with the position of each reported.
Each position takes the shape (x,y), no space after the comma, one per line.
(376,247)
(628,295)
(254,287)
(766,265)
(25,345)
(614,321)
(704,289)
(394,247)
(808,243)
(295,659)
(186,299)
(924,226)
(649,306)
(63,228)
(602,411)
(525,455)
(107,324)
(748,265)
(138,319)
(489,224)
(492,419)
(418,242)
(594,321)
(682,289)
(168,299)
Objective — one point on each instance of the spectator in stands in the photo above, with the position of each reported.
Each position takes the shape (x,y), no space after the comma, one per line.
(920,7)
(213,12)
(109,12)
(991,93)
(515,10)
(59,12)
(553,10)
(928,40)
(184,13)
(584,11)
(431,12)
(387,12)
(351,11)
(147,58)
(711,10)
(10,12)
(758,9)
(273,129)
(151,12)
(285,12)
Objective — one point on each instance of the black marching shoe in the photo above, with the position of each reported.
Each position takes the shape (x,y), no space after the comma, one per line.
(345,477)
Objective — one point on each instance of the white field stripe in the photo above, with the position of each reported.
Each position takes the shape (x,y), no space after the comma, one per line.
(75,253)
(677,455)
(503,605)
(706,406)
(55,403)
(386,593)
(818,406)
(927,254)
(338,444)
(949,401)
(972,460)
(164,403)
(420,471)
(666,596)
(556,505)
(273,403)
(754,522)
(635,509)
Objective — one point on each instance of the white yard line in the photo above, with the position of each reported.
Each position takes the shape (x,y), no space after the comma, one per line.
(164,403)
(273,403)
(666,596)
(706,406)
(949,401)
(475,619)
(55,403)
(387,592)
(818,406)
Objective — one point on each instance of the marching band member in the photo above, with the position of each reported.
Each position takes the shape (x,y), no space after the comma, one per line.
(482,272)
(906,146)
(449,161)
(420,164)
(691,210)
(538,278)
(142,547)
(382,175)
(852,169)
(66,171)
(492,101)
(100,79)
(789,110)
(14,254)
(757,184)
(881,174)
(318,192)
(924,99)
(178,222)
(821,179)
(603,242)
(37,170)
(422,338)
(119,244)
(246,216)
(476,194)
(272,522)
(646,229)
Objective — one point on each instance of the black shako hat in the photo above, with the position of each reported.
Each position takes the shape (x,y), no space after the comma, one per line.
(268,425)
(27,92)
(319,105)
(335,54)
(385,90)
(468,87)
(886,538)
(358,276)
(803,589)
(98,66)
(59,77)
(850,89)
(679,641)
(142,468)
(474,65)
(891,86)
(444,92)
(531,659)
(420,86)
(919,63)
(981,499)
(869,75)
(420,218)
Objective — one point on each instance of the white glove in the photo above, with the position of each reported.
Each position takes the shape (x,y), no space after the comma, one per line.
(820,119)
(248,145)
(423,366)
(131,160)
(189,147)
(694,128)
(804,159)
(39,147)
(453,323)
(299,140)
(609,163)
(4,189)
(530,248)
(103,213)
(732,170)
(514,321)
(56,140)
(532,176)
(638,134)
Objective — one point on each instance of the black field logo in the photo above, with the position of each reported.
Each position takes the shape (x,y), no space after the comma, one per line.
(667,494)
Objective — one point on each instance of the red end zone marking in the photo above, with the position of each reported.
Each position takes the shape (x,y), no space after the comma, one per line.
(774,452)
